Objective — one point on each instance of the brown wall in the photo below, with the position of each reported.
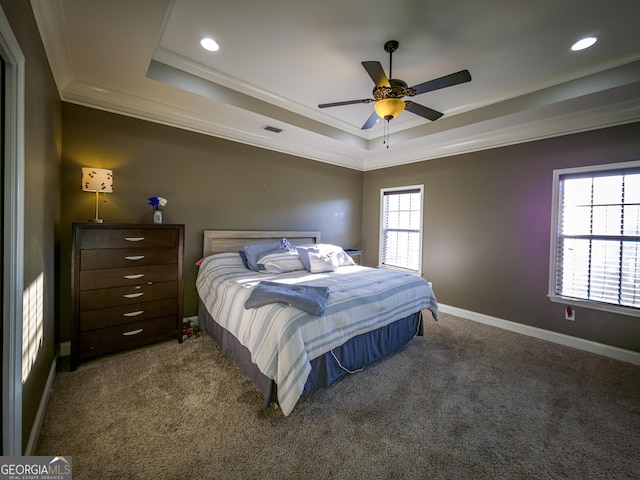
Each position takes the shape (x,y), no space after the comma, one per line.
(487,229)
(42,196)
(487,214)
(209,184)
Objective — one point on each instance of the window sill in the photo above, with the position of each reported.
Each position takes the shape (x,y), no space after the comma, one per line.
(576,302)
(400,269)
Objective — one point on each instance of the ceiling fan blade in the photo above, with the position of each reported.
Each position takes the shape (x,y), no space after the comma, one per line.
(423,111)
(443,82)
(348,102)
(373,119)
(375,71)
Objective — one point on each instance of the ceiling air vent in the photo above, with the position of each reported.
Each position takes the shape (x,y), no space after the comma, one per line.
(269,128)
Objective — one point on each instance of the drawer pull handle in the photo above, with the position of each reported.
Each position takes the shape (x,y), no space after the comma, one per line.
(133,295)
(133,314)
(134,257)
(134,239)
(133,332)
(133,277)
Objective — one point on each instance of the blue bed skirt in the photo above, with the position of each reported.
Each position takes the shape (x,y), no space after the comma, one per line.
(356,353)
(362,350)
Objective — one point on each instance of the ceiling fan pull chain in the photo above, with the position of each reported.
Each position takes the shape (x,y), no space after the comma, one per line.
(385,140)
(384,134)
(387,133)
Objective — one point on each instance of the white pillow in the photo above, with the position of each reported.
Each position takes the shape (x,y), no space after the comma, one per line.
(281,262)
(323,262)
(334,252)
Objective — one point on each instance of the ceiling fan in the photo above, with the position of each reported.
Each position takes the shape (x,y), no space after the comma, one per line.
(389,92)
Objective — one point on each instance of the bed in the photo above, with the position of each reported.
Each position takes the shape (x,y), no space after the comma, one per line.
(356,316)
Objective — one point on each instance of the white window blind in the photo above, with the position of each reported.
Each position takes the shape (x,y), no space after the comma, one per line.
(597,247)
(401,228)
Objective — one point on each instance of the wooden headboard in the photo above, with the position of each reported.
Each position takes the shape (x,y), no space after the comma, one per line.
(221,241)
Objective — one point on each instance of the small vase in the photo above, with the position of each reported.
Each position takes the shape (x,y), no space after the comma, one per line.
(157,216)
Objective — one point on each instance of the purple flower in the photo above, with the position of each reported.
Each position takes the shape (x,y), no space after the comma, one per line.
(157,202)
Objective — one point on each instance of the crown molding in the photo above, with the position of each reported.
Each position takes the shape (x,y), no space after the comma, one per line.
(547,122)
(504,131)
(192,67)
(102,98)
(50,20)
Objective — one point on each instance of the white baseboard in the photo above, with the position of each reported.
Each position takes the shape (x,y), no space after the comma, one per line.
(560,338)
(42,410)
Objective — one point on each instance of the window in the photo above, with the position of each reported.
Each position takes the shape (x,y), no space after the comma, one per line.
(401,228)
(595,244)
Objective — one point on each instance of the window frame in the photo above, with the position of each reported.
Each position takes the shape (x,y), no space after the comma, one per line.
(397,190)
(555,234)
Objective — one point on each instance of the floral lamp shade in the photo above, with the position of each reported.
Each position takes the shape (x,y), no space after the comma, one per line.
(98,180)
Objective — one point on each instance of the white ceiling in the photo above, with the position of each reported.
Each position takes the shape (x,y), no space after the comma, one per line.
(278,60)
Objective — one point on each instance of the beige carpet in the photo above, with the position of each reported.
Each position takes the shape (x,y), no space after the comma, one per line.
(466,401)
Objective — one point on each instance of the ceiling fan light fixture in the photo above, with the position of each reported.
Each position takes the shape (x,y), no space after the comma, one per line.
(389,108)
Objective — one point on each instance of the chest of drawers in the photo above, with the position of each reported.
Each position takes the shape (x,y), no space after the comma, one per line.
(127,287)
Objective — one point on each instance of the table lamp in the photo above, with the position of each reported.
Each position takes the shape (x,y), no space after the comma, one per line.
(97,180)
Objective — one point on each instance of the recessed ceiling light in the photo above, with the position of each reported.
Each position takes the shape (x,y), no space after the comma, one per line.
(583,43)
(209,44)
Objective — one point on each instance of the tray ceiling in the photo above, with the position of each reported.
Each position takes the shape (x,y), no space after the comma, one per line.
(279,60)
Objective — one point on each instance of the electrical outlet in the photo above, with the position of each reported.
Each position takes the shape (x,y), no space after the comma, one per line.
(569,313)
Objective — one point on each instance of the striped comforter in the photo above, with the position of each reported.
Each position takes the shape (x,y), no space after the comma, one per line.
(284,339)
